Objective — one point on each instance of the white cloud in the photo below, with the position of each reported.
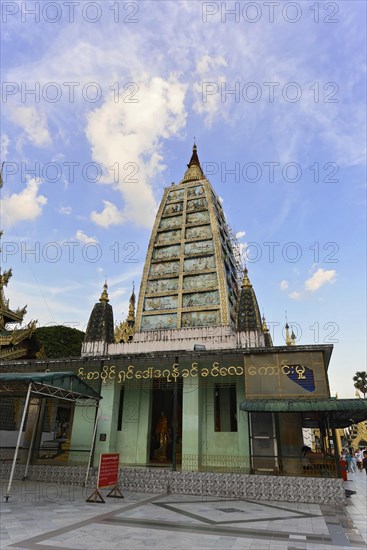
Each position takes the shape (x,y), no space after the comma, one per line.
(284,284)
(240,234)
(26,205)
(83,237)
(4,147)
(34,124)
(110,215)
(207,88)
(65,210)
(128,136)
(295,295)
(318,279)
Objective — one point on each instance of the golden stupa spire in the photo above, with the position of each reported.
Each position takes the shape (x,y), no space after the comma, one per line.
(246,281)
(293,339)
(131,314)
(288,340)
(194,171)
(124,332)
(104,296)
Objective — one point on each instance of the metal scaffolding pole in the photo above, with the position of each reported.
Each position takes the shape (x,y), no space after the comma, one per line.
(18,442)
(92,444)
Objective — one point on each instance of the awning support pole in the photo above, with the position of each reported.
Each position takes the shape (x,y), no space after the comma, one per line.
(336,453)
(174,443)
(92,444)
(30,450)
(18,442)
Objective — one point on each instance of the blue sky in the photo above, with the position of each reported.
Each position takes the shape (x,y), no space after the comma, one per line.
(276,101)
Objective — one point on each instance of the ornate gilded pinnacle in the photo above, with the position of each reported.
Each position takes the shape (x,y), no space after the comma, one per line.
(104,296)
(246,280)
(194,171)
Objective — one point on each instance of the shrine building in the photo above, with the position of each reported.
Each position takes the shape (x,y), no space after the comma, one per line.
(191,381)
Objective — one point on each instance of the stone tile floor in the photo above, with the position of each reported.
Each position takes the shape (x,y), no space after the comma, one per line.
(45,515)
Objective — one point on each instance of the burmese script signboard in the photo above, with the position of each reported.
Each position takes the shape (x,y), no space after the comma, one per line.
(285,375)
(108,471)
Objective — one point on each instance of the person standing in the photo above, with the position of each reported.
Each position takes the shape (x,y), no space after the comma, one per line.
(353,463)
(359,457)
(348,458)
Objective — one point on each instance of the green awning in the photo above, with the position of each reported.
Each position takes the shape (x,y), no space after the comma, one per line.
(339,412)
(64,385)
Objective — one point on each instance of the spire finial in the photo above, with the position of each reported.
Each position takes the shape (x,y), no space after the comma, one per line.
(246,281)
(104,296)
(194,170)
(288,339)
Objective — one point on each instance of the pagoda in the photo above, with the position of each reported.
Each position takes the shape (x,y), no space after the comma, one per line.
(193,290)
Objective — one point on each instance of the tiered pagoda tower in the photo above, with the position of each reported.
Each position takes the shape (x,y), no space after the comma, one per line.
(189,278)
(190,291)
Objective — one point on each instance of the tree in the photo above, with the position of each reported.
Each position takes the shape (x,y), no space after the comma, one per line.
(60,341)
(360,382)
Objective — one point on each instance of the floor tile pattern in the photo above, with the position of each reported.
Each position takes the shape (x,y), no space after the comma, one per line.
(48,515)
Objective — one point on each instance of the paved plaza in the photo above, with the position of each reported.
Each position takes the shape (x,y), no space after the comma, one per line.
(45,515)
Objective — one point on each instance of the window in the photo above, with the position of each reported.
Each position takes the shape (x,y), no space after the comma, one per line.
(225,411)
(121,408)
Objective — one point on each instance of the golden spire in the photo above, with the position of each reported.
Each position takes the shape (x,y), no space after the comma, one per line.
(293,339)
(131,314)
(194,171)
(104,296)
(287,336)
(124,332)
(264,325)
(246,280)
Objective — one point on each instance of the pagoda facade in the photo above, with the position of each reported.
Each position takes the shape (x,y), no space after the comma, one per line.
(191,292)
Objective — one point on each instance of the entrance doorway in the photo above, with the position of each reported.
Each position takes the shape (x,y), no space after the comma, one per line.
(162,418)
(264,453)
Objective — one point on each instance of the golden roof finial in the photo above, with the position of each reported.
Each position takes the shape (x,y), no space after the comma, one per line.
(288,340)
(293,339)
(104,296)
(246,281)
(194,171)
(131,314)
(264,325)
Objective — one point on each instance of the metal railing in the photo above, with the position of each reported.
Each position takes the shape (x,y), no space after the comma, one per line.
(47,454)
(323,467)
(294,466)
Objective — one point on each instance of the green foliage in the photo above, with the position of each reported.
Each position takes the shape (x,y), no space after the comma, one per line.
(60,341)
(360,382)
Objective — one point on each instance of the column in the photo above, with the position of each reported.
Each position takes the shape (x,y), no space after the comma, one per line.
(191,432)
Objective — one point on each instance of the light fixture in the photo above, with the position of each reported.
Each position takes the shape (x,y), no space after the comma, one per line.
(199,347)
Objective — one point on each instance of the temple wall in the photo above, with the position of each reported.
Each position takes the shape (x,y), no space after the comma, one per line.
(216,337)
(239,486)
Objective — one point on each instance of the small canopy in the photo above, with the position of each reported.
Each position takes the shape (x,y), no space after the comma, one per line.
(63,385)
(60,385)
(341,413)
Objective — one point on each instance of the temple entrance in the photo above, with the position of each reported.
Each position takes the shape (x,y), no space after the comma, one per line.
(162,418)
